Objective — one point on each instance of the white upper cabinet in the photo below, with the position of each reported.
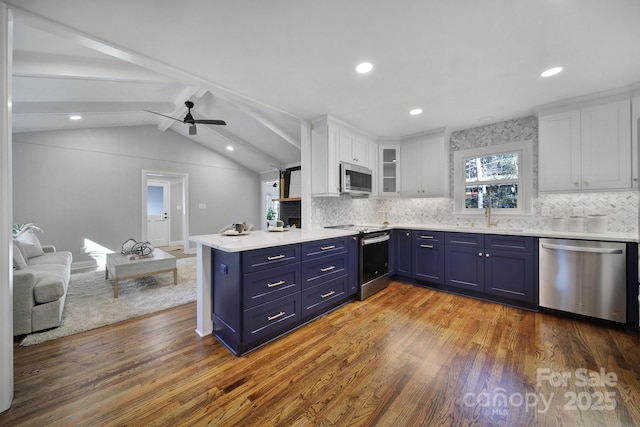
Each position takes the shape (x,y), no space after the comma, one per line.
(354,148)
(333,142)
(586,148)
(389,170)
(425,166)
(325,180)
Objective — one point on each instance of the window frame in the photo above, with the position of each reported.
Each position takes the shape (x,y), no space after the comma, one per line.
(524,149)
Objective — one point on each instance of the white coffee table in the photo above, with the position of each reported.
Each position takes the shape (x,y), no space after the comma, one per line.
(122,268)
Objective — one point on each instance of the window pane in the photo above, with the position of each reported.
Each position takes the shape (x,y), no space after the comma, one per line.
(488,168)
(155,205)
(503,196)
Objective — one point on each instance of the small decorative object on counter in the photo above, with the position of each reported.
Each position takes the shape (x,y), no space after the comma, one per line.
(576,224)
(236,229)
(135,250)
(597,224)
(559,224)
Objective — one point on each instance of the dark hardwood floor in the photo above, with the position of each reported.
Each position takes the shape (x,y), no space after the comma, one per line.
(408,356)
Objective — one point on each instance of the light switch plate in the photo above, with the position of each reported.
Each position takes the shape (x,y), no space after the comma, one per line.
(202,206)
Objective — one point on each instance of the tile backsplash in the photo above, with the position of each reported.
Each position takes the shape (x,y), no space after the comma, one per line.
(620,207)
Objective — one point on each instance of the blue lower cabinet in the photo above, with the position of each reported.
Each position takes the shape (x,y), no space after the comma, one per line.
(320,270)
(511,275)
(428,262)
(402,252)
(320,298)
(266,285)
(464,267)
(271,319)
(354,265)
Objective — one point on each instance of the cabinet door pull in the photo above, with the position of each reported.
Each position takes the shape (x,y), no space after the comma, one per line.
(273,258)
(276,316)
(487,255)
(328,294)
(331,267)
(426,237)
(278,283)
(427,246)
(326,248)
(479,253)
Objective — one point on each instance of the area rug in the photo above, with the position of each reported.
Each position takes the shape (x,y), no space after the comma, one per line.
(90,302)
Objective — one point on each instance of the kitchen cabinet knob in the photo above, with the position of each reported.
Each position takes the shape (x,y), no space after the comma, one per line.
(408,234)
(487,255)
(586,183)
(479,253)
(576,183)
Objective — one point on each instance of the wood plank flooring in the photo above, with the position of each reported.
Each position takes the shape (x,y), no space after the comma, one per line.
(408,356)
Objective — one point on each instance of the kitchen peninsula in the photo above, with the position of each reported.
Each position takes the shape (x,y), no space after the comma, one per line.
(252,288)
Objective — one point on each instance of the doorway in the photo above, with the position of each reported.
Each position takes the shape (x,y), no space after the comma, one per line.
(165,209)
(158,211)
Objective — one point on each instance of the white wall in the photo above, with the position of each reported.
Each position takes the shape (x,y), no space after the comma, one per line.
(86,183)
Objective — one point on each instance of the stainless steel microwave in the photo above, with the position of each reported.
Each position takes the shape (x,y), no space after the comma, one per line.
(355,180)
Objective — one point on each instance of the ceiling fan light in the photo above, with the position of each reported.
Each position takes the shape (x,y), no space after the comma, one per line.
(193,130)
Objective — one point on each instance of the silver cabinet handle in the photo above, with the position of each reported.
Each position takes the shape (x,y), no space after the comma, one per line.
(278,283)
(273,258)
(331,267)
(426,237)
(276,316)
(328,294)
(326,248)
(427,246)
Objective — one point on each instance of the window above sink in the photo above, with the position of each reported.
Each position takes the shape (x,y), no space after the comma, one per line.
(497,176)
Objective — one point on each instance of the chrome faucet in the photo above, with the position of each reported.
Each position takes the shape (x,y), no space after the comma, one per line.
(487,213)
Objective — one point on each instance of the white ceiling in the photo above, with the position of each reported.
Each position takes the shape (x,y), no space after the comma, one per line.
(262,65)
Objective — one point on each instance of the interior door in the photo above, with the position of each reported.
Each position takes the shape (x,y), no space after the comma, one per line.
(158,222)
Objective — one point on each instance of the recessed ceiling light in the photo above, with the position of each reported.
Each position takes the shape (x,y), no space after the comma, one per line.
(415,111)
(230,148)
(75,117)
(364,67)
(551,72)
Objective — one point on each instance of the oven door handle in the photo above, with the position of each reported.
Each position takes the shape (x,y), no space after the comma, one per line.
(372,240)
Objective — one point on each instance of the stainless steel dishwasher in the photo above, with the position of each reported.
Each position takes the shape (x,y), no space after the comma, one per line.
(584,277)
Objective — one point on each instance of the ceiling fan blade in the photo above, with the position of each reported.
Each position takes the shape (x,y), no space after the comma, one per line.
(210,122)
(168,117)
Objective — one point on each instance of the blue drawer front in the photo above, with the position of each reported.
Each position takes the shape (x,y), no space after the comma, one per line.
(271,318)
(510,243)
(428,236)
(323,247)
(266,285)
(465,239)
(322,269)
(260,259)
(318,298)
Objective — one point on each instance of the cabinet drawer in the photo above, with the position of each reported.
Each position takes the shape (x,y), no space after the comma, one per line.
(320,270)
(428,236)
(267,285)
(318,298)
(509,243)
(260,259)
(465,239)
(322,248)
(271,318)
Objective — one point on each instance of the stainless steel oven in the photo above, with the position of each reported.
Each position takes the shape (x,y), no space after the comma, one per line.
(373,258)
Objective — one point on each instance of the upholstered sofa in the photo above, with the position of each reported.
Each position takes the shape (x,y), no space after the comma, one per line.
(40,281)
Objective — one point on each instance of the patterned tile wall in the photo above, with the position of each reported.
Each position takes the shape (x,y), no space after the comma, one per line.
(620,207)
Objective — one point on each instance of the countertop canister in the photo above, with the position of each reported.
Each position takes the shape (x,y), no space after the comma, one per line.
(576,224)
(597,224)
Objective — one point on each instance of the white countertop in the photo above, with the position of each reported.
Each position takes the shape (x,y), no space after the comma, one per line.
(265,239)
(610,237)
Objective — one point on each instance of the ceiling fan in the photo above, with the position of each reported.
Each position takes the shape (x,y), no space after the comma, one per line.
(188,119)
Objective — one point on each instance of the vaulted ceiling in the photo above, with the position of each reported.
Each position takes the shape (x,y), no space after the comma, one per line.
(263,66)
